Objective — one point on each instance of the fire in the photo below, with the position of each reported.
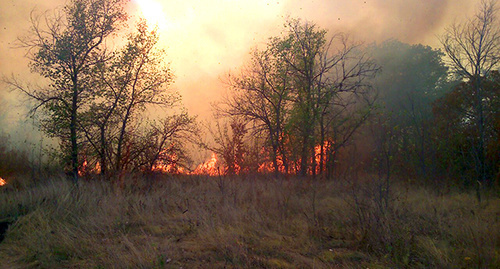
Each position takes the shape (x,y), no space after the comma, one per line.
(168,169)
(317,155)
(85,170)
(168,163)
(210,167)
(268,166)
(2,182)
(294,166)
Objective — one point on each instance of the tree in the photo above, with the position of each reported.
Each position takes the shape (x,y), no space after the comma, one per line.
(292,88)
(328,76)
(473,48)
(456,130)
(135,81)
(412,77)
(64,51)
(159,148)
(229,140)
(260,95)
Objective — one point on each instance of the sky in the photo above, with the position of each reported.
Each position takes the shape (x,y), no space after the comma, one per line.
(206,39)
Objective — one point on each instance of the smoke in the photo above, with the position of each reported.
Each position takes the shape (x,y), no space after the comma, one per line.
(411,21)
(205,39)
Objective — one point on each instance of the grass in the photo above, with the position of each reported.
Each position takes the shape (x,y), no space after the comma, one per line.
(241,222)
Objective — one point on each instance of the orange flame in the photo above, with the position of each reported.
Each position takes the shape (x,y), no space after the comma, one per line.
(317,155)
(294,166)
(210,167)
(85,170)
(268,167)
(168,169)
(2,182)
(168,163)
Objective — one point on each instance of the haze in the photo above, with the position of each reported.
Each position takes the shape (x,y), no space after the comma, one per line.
(205,39)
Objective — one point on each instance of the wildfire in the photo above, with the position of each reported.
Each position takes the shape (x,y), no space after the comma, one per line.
(171,168)
(2,182)
(85,170)
(168,163)
(168,169)
(210,167)
(321,160)
(268,166)
(294,166)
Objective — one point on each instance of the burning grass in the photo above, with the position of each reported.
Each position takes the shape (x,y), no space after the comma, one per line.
(200,222)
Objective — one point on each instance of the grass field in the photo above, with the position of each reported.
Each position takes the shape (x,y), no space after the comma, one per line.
(200,222)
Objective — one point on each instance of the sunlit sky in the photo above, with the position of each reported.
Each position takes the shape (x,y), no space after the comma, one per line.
(206,39)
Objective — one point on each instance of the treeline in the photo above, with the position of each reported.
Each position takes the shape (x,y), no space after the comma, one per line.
(308,102)
(305,94)
(318,103)
(99,97)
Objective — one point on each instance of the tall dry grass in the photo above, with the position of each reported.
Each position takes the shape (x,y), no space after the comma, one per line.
(200,222)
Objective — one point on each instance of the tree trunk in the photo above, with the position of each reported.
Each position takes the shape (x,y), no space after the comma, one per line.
(118,166)
(103,152)
(303,155)
(72,127)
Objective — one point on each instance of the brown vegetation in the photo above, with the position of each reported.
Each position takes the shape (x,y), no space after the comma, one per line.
(200,222)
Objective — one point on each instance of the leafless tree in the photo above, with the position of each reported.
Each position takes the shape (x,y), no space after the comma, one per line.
(473,48)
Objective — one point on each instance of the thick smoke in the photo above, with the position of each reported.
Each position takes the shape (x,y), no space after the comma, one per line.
(412,21)
(205,39)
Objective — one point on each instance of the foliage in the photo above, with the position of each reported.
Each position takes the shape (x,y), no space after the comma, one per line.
(135,81)
(412,77)
(302,91)
(98,98)
(456,130)
(63,51)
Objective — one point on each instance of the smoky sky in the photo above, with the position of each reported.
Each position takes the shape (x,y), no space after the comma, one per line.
(411,21)
(206,39)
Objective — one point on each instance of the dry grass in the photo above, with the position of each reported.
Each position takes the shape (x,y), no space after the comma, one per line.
(246,223)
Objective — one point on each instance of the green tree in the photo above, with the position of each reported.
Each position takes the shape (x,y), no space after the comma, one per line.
(328,76)
(302,90)
(457,131)
(63,48)
(136,81)
(412,77)
(260,94)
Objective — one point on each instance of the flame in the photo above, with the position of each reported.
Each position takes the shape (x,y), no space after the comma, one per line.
(97,168)
(2,182)
(210,167)
(168,163)
(317,155)
(294,166)
(268,167)
(172,168)
(85,170)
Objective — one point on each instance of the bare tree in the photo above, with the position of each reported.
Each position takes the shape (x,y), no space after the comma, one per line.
(473,48)
(163,143)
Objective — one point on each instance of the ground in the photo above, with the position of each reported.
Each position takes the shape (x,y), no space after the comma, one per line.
(247,222)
